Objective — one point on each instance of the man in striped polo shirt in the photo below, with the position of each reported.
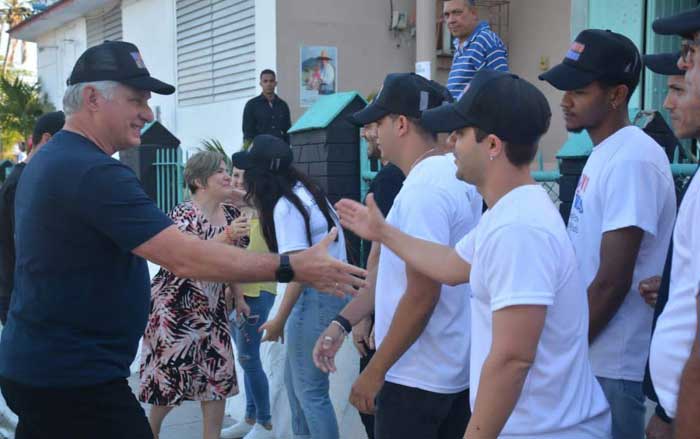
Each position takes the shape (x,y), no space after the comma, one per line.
(476,45)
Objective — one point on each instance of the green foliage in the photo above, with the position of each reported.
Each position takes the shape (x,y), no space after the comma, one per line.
(21,104)
(217,146)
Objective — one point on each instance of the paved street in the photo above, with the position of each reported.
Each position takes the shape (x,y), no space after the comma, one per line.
(184,422)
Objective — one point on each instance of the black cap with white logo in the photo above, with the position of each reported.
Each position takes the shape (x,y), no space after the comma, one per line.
(406,94)
(597,55)
(498,103)
(267,152)
(116,61)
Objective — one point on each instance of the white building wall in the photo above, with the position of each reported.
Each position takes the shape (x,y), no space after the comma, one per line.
(150,24)
(57,52)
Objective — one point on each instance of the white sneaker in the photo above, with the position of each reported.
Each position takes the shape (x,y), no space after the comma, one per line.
(236,431)
(260,432)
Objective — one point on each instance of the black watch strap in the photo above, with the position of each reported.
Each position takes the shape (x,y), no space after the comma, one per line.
(284,273)
(344,323)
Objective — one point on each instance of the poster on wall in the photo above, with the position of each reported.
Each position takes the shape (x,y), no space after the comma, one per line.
(318,73)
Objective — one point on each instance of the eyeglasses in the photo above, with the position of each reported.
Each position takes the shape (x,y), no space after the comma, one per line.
(686,48)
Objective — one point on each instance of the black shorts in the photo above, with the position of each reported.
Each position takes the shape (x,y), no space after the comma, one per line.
(407,412)
(103,411)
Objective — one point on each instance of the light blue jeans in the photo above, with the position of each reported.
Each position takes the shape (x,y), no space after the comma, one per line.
(247,339)
(626,399)
(307,387)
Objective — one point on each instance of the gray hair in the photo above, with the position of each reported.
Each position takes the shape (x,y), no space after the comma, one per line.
(73,97)
(200,167)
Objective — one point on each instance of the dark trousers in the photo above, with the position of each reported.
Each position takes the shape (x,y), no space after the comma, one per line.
(103,411)
(407,412)
(367,420)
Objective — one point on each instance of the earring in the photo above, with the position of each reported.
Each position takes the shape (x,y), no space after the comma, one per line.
(491,157)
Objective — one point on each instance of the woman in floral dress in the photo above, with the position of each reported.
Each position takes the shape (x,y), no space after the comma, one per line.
(186,354)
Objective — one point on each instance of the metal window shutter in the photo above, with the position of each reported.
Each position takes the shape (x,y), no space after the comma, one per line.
(105,24)
(215,50)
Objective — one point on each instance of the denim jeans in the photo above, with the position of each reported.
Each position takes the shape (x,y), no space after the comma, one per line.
(247,339)
(408,412)
(307,387)
(626,399)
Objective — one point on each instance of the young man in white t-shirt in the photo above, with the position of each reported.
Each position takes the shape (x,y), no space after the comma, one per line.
(622,214)
(419,374)
(530,375)
(674,358)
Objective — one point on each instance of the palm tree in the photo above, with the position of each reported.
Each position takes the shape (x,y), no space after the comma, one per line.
(20,106)
(12,13)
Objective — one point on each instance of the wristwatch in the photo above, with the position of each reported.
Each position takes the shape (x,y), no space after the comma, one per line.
(284,273)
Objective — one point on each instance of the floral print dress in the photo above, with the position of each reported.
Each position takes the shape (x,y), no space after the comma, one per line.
(186,353)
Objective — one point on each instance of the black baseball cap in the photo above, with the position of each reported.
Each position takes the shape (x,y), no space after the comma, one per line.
(664,63)
(116,61)
(408,94)
(596,55)
(48,123)
(499,103)
(267,152)
(684,24)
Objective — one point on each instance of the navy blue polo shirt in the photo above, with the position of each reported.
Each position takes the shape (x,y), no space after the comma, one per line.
(81,298)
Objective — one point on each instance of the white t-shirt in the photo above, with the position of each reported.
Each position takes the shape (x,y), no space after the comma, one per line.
(433,205)
(520,254)
(290,228)
(626,182)
(675,329)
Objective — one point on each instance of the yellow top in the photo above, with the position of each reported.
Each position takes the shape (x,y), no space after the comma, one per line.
(257,244)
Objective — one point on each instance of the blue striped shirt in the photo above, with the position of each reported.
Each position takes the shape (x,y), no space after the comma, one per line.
(482,50)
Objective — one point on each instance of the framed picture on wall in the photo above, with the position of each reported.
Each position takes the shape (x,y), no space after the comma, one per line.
(318,73)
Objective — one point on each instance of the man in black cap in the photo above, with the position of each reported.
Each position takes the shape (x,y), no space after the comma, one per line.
(84,229)
(655,289)
(420,371)
(46,126)
(528,306)
(622,215)
(674,358)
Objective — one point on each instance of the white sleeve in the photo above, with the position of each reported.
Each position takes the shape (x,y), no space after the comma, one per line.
(634,195)
(290,228)
(520,264)
(465,246)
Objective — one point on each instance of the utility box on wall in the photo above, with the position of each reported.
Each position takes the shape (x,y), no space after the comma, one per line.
(326,148)
(143,159)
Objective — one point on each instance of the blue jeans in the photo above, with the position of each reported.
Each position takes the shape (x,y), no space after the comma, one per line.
(626,399)
(307,387)
(247,339)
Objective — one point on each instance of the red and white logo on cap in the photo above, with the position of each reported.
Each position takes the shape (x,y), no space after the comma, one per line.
(575,51)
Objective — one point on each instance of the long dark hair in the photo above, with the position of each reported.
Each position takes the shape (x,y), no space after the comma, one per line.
(266,188)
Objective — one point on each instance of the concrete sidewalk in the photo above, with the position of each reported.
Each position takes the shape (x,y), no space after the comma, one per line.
(183,422)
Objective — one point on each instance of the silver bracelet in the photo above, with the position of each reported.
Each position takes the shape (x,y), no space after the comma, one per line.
(340,326)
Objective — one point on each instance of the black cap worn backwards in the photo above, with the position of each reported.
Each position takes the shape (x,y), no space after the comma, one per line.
(597,55)
(407,94)
(664,63)
(684,24)
(498,103)
(267,152)
(116,61)
(49,123)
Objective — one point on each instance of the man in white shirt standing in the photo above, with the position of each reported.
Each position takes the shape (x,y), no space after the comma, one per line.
(622,215)
(530,375)
(420,371)
(674,359)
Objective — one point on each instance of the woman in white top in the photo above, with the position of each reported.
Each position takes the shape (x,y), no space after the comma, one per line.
(295,214)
